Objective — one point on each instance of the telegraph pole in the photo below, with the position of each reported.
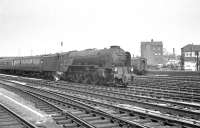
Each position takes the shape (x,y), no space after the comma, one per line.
(197,60)
(182,59)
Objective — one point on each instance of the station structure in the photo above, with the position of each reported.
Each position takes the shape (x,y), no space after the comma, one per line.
(190,57)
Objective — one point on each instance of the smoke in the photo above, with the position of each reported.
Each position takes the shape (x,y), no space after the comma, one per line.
(57,76)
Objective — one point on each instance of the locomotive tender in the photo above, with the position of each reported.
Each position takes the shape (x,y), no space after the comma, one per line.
(104,66)
(139,65)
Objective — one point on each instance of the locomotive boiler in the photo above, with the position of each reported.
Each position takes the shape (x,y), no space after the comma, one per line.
(104,66)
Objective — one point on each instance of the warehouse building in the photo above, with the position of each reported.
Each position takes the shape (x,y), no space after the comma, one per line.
(153,52)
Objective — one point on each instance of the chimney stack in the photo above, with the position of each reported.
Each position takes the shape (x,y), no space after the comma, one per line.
(173,51)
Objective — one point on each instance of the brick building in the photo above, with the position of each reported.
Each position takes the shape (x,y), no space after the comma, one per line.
(190,57)
(153,52)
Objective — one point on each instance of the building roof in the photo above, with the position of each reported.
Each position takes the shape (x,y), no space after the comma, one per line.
(152,42)
(191,47)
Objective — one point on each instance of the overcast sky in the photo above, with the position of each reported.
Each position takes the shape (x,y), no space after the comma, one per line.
(38,26)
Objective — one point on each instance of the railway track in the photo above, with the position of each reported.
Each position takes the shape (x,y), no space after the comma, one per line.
(159,91)
(147,118)
(9,119)
(61,117)
(173,84)
(164,77)
(167,94)
(169,89)
(82,114)
(187,87)
(182,75)
(164,106)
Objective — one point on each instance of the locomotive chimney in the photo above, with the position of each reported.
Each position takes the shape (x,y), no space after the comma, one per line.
(115,46)
(174,52)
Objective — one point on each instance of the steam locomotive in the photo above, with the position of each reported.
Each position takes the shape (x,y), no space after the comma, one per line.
(104,66)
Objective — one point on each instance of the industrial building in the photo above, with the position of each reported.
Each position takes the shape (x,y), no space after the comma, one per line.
(153,52)
(190,57)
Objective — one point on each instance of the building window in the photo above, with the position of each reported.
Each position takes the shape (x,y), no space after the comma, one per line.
(193,54)
(188,54)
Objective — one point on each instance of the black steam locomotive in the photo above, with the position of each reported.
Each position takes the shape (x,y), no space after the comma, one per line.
(104,66)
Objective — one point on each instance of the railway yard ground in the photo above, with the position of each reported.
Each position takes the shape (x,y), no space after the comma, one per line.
(147,102)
